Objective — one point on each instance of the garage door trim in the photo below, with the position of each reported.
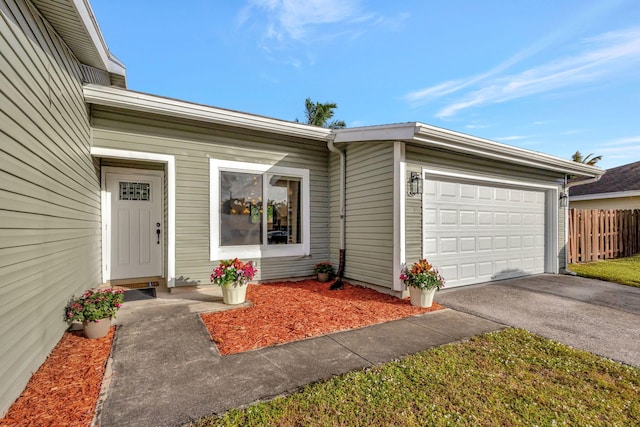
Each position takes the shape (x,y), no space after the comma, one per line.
(551,206)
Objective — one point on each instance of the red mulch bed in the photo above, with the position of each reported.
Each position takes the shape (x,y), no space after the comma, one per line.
(289,311)
(64,391)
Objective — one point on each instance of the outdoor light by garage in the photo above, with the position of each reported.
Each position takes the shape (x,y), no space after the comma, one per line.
(564,199)
(415,184)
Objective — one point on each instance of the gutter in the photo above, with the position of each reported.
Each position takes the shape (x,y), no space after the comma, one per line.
(567,186)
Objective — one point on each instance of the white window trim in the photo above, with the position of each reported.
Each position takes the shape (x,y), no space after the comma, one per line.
(218,252)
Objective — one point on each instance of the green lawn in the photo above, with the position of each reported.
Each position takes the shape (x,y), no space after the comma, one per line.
(625,271)
(510,377)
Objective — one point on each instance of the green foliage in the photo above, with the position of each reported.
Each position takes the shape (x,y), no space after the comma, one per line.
(94,304)
(510,377)
(422,275)
(319,114)
(324,267)
(590,160)
(233,272)
(625,271)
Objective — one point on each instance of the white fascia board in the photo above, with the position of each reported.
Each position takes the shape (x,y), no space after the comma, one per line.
(460,142)
(137,101)
(110,63)
(598,196)
(396,132)
(422,134)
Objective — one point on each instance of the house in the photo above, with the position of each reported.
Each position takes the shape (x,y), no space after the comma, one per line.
(99,183)
(618,188)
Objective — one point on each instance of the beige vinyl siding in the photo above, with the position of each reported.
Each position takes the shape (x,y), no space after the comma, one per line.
(369,213)
(418,157)
(95,75)
(632,202)
(49,193)
(413,221)
(193,144)
(562,243)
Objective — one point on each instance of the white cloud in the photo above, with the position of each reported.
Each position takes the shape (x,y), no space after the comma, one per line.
(624,141)
(602,57)
(511,138)
(597,58)
(476,126)
(294,19)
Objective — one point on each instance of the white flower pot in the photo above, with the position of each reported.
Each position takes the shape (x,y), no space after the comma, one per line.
(234,293)
(97,329)
(323,277)
(421,297)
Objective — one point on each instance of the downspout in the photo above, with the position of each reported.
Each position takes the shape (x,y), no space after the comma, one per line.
(338,284)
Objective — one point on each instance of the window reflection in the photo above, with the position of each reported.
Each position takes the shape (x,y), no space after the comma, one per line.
(283,210)
(240,209)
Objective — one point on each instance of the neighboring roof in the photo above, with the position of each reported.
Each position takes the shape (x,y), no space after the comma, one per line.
(111,96)
(622,181)
(422,134)
(75,22)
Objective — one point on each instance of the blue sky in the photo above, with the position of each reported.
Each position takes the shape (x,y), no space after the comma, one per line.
(550,76)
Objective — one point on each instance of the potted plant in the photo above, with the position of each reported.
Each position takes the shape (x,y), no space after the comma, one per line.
(423,280)
(95,309)
(324,271)
(232,276)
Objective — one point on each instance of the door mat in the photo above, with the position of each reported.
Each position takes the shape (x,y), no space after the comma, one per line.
(139,294)
(139,285)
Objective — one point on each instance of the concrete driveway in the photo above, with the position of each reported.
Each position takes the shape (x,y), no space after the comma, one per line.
(597,316)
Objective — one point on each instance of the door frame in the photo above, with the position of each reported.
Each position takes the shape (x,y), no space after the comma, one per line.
(170,200)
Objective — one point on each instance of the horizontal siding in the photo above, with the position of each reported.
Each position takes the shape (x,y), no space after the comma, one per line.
(418,157)
(442,160)
(193,144)
(413,221)
(94,75)
(369,213)
(49,193)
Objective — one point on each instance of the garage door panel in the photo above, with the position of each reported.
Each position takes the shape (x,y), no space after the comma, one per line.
(478,232)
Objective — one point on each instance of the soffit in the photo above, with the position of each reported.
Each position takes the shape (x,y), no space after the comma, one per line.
(74,21)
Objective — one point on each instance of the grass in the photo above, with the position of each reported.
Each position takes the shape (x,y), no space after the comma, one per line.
(511,377)
(625,271)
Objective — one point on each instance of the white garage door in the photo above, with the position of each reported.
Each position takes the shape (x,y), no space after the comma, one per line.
(476,232)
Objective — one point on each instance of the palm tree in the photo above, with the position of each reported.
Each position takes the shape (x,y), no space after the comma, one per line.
(590,160)
(319,114)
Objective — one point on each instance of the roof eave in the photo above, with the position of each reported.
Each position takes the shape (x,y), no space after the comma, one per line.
(142,102)
(599,196)
(426,135)
(109,62)
(75,23)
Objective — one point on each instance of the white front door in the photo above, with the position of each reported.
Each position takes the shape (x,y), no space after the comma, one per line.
(135,232)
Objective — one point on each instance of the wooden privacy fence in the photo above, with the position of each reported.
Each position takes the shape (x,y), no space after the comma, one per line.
(603,234)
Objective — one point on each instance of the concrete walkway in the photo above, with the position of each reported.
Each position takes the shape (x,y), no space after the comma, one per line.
(592,315)
(165,371)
